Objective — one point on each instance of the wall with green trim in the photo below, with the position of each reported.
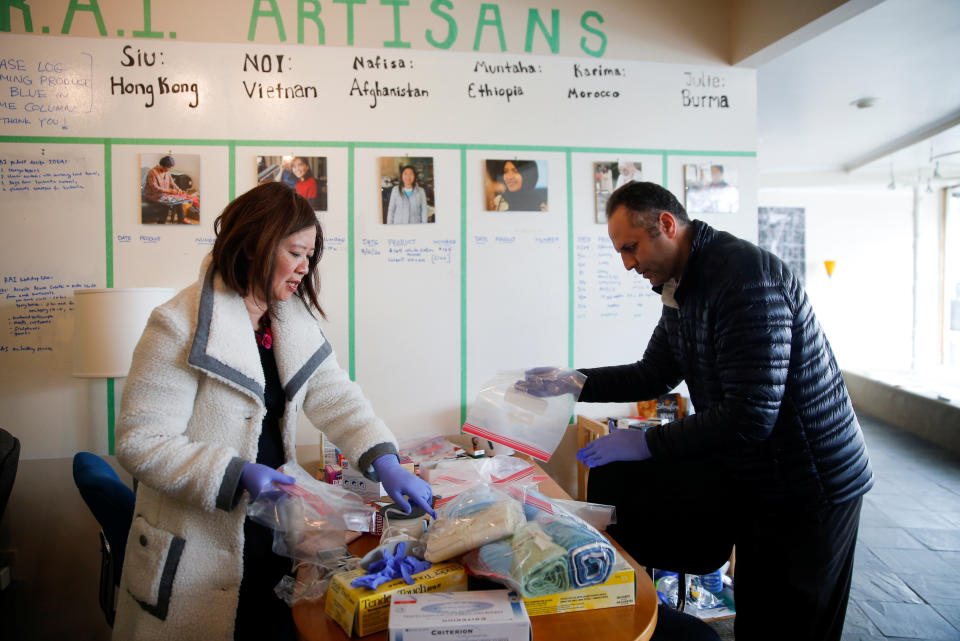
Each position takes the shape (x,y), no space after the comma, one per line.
(420,315)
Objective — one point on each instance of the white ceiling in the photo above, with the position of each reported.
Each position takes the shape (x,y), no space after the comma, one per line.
(904,53)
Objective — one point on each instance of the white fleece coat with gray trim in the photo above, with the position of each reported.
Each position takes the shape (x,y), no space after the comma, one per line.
(189,420)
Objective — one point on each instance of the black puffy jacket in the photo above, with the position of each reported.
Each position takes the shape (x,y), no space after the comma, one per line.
(770,401)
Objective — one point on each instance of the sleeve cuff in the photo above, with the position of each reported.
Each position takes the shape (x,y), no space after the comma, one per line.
(365,464)
(229,494)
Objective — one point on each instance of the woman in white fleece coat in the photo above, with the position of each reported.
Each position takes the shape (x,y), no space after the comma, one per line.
(210,408)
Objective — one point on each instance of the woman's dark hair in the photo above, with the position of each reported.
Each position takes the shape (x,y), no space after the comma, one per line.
(403,168)
(528,169)
(166,161)
(250,230)
(645,201)
(309,173)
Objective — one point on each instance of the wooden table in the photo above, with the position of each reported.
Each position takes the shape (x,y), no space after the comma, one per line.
(629,623)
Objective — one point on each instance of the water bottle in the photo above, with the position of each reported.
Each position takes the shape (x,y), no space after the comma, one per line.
(712,582)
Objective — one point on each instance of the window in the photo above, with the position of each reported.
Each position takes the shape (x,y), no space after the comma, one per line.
(951,280)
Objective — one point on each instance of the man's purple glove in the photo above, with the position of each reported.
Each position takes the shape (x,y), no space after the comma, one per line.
(398,481)
(619,445)
(255,478)
(550,381)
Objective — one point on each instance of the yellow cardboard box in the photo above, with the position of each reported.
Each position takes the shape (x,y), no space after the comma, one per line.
(620,589)
(361,611)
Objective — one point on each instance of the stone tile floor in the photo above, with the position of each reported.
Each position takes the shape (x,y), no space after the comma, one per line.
(906,578)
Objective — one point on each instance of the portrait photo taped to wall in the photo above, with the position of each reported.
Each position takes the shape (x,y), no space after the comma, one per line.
(407,194)
(710,188)
(169,189)
(515,185)
(608,177)
(306,174)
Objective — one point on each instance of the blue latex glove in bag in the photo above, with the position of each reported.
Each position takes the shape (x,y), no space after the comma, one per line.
(398,481)
(255,478)
(550,381)
(528,414)
(619,445)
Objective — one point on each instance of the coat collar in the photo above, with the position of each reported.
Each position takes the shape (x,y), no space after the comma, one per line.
(223,343)
(702,234)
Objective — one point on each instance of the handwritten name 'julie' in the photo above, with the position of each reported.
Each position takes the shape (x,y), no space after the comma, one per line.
(696,82)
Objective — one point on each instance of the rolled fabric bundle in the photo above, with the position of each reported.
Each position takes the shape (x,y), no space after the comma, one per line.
(491,560)
(538,564)
(590,555)
(451,536)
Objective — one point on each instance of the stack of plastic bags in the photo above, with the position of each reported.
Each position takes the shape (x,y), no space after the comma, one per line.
(501,529)
(519,538)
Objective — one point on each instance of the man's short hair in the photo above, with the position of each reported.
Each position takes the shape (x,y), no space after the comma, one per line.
(645,201)
(166,161)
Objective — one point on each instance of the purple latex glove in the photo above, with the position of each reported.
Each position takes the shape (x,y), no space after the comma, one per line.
(619,445)
(398,481)
(255,478)
(391,566)
(548,381)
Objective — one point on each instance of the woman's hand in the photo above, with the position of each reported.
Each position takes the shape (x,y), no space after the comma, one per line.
(255,478)
(398,481)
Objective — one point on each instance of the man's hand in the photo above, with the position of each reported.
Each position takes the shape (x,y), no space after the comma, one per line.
(620,445)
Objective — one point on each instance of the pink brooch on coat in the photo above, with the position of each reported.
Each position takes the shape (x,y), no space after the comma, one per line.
(264,338)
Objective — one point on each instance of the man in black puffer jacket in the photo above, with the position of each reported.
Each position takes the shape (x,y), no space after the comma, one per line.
(773,460)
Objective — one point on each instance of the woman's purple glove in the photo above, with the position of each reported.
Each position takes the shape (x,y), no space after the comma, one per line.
(398,481)
(255,478)
(619,445)
(549,381)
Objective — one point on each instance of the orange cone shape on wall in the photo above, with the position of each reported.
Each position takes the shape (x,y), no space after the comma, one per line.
(829,264)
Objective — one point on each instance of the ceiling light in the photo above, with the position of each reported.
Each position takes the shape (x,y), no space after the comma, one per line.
(893,183)
(936,170)
(864,103)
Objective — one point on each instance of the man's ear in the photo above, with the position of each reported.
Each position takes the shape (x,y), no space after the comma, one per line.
(667,224)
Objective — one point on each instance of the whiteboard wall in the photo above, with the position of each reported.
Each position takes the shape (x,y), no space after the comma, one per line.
(419,315)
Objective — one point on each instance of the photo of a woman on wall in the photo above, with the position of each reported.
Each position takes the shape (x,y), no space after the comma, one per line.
(408,200)
(406,190)
(514,185)
(307,175)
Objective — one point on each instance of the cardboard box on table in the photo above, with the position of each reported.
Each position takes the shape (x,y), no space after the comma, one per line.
(484,615)
(360,611)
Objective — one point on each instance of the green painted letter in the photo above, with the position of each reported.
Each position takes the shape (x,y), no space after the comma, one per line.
(147,31)
(484,21)
(451,25)
(313,14)
(76,6)
(5,21)
(396,42)
(350,4)
(272,12)
(553,36)
(603,37)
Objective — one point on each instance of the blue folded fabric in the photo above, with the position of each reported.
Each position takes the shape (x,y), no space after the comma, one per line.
(590,555)
(495,558)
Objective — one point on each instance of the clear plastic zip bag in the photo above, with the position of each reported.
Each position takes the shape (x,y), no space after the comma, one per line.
(310,519)
(527,411)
